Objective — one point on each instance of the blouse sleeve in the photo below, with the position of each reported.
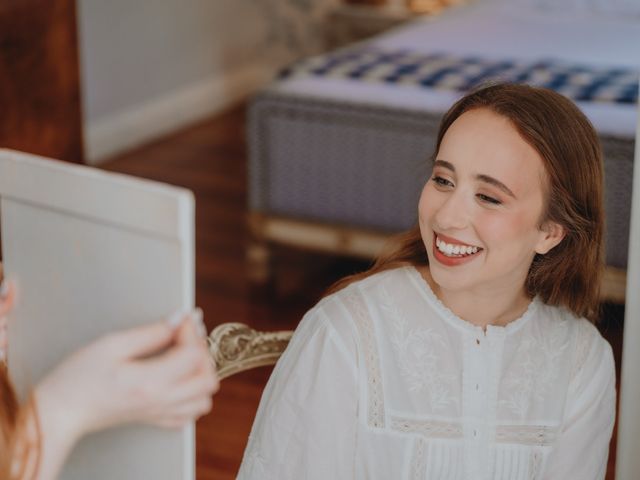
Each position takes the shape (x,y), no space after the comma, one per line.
(305,427)
(582,448)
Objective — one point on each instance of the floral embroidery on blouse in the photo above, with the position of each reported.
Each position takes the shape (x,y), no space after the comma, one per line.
(536,369)
(419,362)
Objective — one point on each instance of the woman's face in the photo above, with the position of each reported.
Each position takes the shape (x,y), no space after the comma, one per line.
(480,211)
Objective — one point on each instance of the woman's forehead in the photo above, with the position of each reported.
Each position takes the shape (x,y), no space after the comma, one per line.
(482,142)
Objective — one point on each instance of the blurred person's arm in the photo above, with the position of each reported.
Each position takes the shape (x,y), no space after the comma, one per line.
(156,374)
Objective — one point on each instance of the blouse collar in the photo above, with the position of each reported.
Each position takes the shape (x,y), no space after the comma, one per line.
(425,290)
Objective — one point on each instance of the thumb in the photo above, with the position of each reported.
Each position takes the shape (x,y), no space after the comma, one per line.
(192,328)
(142,341)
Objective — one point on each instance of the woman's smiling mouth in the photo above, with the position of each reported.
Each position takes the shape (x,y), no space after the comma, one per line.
(452,252)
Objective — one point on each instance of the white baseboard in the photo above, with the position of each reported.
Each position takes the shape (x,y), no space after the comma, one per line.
(143,123)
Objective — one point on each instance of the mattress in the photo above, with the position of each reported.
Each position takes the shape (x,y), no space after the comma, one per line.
(354,153)
(496,30)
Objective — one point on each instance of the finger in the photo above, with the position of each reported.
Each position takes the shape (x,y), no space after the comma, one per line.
(184,413)
(216,380)
(173,422)
(3,338)
(7,298)
(202,384)
(195,408)
(173,365)
(140,342)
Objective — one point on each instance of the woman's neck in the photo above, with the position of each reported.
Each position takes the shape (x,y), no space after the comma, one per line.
(497,307)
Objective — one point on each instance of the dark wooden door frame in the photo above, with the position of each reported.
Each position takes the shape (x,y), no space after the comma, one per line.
(40,101)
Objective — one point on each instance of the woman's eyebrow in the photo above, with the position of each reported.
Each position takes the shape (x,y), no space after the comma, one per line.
(495,183)
(444,164)
(482,177)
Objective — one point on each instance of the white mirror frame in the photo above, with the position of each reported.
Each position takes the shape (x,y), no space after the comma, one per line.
(628,453)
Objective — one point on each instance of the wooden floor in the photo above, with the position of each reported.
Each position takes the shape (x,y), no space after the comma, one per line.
(210,159)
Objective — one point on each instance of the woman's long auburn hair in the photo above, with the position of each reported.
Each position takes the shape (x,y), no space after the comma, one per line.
(20,439)
(569,274)
(9,409)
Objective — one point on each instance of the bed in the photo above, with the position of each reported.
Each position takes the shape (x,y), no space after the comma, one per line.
(338,144)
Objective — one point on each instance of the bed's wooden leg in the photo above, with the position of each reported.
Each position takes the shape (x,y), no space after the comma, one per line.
(259,263)
(259,255)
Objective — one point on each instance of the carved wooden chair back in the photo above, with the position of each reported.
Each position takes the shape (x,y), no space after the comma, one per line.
(236,347)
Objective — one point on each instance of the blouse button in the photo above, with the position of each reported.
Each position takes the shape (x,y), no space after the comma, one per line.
(478,341)
(477,386)
(475,433)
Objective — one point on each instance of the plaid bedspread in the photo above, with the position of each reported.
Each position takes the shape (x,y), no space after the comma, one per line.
(443,71)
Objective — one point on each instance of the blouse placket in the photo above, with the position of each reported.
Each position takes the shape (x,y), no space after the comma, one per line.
(482,353)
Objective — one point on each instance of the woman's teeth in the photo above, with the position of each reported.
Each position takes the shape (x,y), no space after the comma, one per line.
(452,250)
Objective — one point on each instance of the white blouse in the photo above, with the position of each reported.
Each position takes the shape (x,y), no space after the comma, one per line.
(382,381)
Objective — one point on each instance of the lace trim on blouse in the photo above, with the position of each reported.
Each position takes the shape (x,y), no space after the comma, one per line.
(533,435)
(427,428)
(356,306)
(418,465)
(535,465)
(530,435)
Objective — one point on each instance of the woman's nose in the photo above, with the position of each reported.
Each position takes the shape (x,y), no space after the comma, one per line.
(453,213)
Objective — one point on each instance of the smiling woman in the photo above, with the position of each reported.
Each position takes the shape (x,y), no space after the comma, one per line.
(465,352)
(490,197)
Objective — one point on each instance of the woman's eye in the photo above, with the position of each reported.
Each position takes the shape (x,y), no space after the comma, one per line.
(443,182)
(488,199)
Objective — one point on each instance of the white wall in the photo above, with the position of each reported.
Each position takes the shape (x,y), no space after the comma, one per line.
(628,460)
(149,67)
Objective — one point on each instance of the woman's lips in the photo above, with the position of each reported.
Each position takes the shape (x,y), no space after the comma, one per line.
(453,259)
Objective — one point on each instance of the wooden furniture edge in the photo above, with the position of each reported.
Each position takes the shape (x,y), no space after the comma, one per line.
(363,243)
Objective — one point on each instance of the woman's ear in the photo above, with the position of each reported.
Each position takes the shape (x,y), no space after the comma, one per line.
(551,234)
